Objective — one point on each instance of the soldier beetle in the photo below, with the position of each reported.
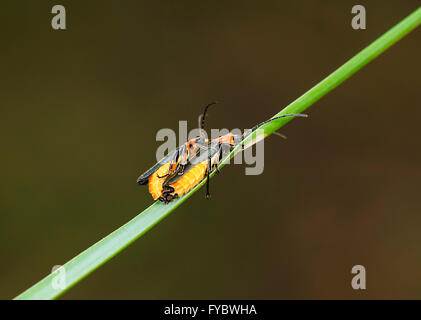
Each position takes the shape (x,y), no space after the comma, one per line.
(177,173)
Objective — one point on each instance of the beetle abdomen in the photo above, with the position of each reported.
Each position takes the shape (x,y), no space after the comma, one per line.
(155,182)
(190,179)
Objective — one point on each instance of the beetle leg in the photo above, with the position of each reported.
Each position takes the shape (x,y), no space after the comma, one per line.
(173,161)
(208,171)
(167,189)
(171,197)
(163,199)
(181,172)
(217,171)
(208,196)
(218,158)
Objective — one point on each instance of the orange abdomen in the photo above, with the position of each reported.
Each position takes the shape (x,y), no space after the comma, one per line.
(190,179)
(155,183)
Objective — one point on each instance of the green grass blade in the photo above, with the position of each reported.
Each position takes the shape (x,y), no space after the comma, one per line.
(93,257)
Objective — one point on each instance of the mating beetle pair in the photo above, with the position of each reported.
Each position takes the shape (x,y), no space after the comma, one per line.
(185,167)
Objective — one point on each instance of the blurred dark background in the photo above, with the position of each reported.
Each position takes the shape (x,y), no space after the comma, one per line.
(80,109)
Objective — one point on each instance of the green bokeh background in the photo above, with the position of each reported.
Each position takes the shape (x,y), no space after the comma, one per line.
(80,108)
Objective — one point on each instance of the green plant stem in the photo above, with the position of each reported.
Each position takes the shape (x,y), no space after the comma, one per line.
(93,257)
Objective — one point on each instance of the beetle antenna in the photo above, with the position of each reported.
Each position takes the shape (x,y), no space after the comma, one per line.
(202,117)
(275,118)
(280,135)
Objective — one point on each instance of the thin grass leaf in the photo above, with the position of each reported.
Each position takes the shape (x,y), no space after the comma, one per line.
(93,257)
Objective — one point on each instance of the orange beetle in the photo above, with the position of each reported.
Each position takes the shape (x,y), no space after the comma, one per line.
(168,180)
